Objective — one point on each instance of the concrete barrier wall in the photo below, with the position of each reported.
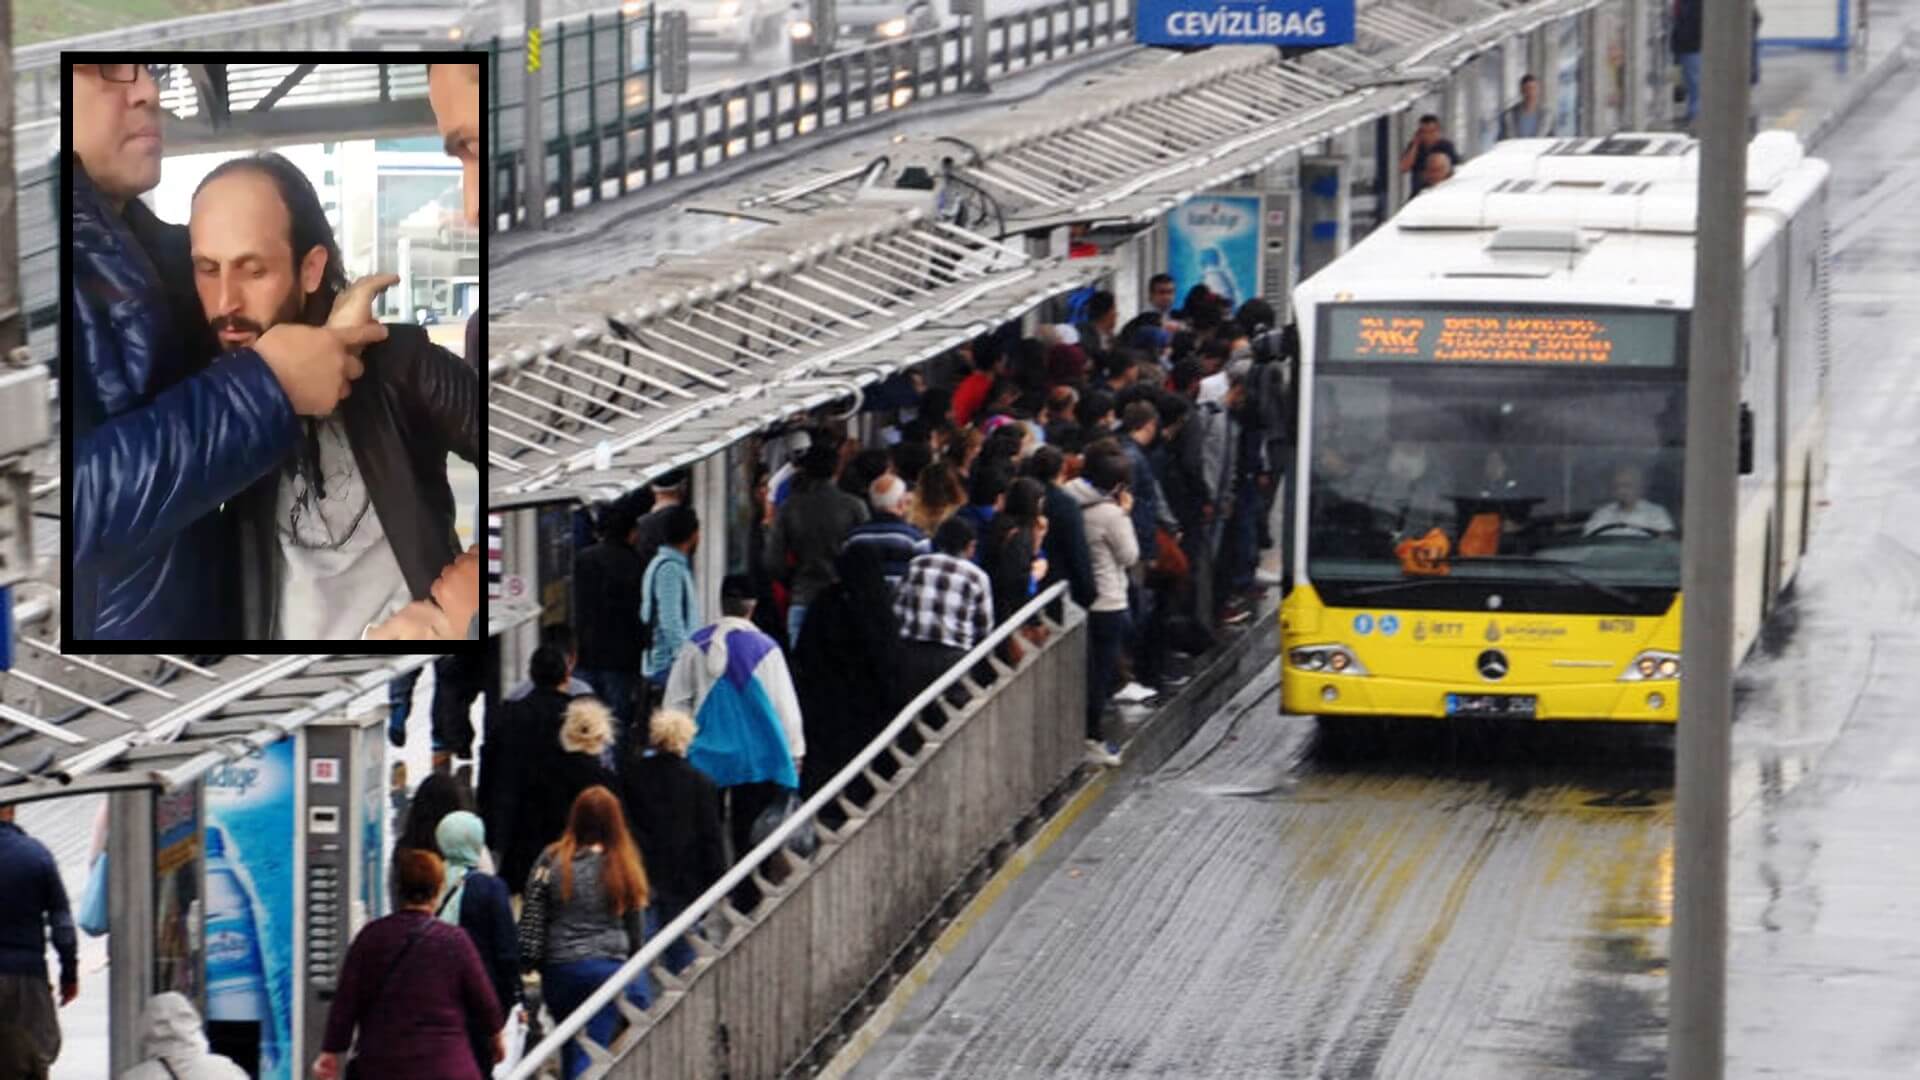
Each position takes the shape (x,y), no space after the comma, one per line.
(811,948)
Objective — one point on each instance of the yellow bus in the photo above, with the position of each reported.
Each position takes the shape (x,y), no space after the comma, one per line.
(1492,427)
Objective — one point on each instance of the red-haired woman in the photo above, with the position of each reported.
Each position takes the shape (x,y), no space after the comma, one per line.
(597,896)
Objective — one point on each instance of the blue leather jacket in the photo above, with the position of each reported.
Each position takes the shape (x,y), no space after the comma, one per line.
(160,439)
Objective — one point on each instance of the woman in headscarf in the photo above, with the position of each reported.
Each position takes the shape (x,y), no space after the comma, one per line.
(846,664)
(437,796)
(478,903)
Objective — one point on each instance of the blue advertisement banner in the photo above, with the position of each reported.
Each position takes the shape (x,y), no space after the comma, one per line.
(1297,23)
(1214,240)
(249,901)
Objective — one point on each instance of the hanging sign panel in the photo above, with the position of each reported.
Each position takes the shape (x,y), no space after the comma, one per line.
(1243,22)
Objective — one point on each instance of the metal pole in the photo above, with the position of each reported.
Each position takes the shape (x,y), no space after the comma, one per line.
(1636,75)
(13,327)
(1697,991)
(130,948)
(1593,57)
(977,23)
(532,111)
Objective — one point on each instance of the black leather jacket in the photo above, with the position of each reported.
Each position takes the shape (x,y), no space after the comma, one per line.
(416,404)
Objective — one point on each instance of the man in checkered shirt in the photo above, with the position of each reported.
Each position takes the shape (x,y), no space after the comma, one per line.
(945,605)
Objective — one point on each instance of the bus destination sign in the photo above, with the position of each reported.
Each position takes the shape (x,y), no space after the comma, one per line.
(1366,334)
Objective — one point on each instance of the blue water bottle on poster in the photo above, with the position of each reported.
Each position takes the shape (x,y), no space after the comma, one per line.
(236,975)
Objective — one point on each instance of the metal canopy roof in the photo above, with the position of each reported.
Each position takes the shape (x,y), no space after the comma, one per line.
(596,393)
(1103,146)
(241,106)
(1131,142)
(1207,119)
(72,724)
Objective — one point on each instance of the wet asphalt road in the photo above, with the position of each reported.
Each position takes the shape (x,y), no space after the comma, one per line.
(1280,902)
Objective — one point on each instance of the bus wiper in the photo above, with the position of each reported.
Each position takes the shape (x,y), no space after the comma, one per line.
(1562,569)
(1404,583)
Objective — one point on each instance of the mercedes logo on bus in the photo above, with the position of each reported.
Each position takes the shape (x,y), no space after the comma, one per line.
(1492,664)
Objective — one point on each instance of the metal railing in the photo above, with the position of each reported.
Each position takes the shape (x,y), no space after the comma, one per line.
(595,88)
(294,24)
(961,790)
(606,144)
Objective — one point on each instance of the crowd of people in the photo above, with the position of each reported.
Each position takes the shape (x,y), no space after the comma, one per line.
(653,744)
(1138,462)
(559,823)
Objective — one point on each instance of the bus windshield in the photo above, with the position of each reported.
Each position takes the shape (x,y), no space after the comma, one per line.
(1440,485)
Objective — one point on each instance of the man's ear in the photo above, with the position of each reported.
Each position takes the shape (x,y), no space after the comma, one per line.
(312,269)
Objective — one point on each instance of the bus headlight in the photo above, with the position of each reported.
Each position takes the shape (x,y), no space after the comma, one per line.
(1330,659)
(892,28)
(1652,664)
(800,30)
(455,33)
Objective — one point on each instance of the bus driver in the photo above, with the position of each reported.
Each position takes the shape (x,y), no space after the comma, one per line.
(1628,510)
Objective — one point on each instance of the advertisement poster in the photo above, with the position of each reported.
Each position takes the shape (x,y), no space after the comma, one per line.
(250,853)
(1214,240)
(176,892)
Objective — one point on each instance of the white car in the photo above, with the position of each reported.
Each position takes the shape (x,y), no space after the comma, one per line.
(737,26)
(421,24)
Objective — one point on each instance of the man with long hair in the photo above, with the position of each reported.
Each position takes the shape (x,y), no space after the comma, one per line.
(162,435)
(358,520)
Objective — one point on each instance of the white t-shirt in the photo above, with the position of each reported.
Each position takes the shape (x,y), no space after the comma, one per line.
(1646,516)
(338,574)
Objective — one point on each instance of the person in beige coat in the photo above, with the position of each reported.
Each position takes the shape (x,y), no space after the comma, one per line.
(1107,505)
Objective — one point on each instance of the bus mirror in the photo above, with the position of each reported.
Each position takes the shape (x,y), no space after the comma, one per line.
(1746,439)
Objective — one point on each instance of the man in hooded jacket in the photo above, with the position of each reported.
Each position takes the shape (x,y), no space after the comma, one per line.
(733,680)
(173,1045)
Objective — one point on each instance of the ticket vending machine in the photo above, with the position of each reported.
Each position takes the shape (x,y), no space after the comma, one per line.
(341,843)
(1277,247)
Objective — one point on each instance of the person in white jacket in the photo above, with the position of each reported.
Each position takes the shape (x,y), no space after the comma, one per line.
(734,681)
(173,1045)
(1107,506)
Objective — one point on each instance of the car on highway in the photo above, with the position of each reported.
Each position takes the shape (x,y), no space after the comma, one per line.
(864,22)
(741,27)
(421,24)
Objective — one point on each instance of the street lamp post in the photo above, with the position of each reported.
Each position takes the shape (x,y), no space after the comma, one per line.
(1697,990)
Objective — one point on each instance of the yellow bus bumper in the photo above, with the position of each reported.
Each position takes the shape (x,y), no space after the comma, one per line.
(1312,693)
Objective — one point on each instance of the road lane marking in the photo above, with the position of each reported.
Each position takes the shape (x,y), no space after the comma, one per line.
(949,940)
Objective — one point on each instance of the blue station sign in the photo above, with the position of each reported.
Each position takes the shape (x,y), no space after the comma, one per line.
(1243,22)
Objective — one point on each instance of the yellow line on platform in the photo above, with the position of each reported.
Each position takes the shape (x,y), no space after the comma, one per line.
(915,980)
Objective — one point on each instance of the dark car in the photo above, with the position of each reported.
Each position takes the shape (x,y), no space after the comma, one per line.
(863,22)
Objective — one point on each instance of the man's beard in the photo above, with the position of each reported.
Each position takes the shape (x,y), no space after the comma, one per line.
(310,309)
(290,311)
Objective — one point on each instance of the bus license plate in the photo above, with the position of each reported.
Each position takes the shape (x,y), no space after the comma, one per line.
(1518,706)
